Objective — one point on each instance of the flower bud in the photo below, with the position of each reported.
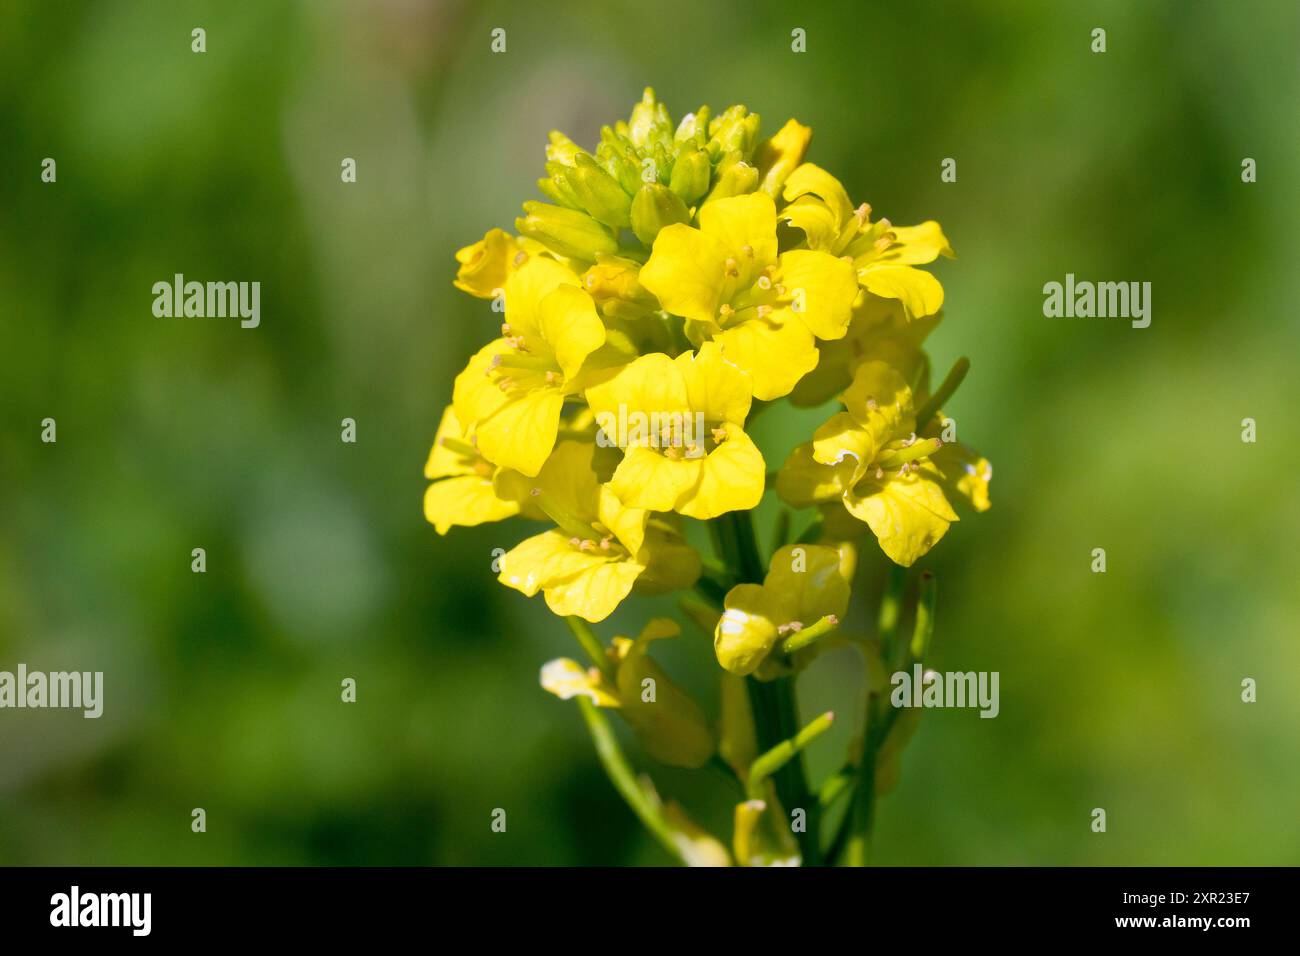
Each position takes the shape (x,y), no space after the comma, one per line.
(736,130)
(690,179)
(565,231)
(599,193)
(654,207)
(735,178)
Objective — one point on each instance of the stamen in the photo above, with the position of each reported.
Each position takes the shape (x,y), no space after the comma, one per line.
(505,328)
(863,212)
(764,283)
(521,257)
(748,250)
(719,435)
(763,310)
(731,267)
(725,310)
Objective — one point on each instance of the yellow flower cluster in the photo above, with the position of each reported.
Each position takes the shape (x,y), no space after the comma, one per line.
(682,277)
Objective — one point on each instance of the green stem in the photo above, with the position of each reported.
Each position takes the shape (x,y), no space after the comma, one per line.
(591,644)
(943,392)
(775,714)
(780,755)
(863,811)
(624,778)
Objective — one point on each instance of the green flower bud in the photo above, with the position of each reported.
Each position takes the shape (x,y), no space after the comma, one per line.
(735,178)
(599,193)
(736,130)
(561,149)
(694,127)
(691,174)
(654,207)
(650,121)
(565,231)
(557,188)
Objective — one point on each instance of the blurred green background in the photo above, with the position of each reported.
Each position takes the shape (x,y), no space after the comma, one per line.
(1119,690)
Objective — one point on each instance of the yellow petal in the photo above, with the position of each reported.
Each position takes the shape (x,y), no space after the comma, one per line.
(731,478)
(443,461)
(828,285)
(474,395)
(880,402)
(568,321)
(485,266)
(521,433)
(781,155)
(821,226)
(803,481)
(567,679)
(917,245)
(567,484)
(812,179)
(715,386)
(746,227)
(908,515)
(686,272)
(776,351)
(466,501)
(920,292)
(594,593)
(628,524)
(653,383)
(528,286)
(649,479)
(810,578)
(841,438)
(966,474)
(543,560)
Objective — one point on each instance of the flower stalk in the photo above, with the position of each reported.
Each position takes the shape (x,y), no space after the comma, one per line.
(694,271)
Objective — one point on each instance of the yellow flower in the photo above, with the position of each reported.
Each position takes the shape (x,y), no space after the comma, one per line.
(681,422)
(487,264)
(512,391)
(670,725)
(804,583)
(590,563)
(765,310)
(871,459)
(462,492)
(884,255)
